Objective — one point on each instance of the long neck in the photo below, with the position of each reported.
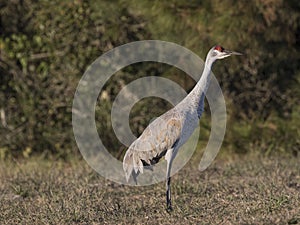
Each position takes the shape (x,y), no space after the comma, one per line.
(203,84)
(197,95)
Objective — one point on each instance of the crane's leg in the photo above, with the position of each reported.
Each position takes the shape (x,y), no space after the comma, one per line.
(168,184)
(168,192)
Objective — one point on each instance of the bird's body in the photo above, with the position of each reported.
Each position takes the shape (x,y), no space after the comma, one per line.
(167,133)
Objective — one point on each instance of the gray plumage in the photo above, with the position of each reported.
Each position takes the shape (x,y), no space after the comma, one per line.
(167,133)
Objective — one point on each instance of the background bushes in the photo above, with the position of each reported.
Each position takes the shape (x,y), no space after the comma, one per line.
(47,45)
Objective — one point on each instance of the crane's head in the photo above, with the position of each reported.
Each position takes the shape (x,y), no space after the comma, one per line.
(218,52)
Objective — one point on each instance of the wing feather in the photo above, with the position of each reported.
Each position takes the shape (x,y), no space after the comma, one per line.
(162,134)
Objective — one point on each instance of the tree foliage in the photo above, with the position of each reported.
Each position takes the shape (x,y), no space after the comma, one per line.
(47,45)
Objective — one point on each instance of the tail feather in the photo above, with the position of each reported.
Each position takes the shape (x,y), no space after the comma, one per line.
(132,165)
(128,165)
(137,164)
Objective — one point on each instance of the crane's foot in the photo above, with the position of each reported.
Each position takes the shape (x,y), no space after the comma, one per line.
(169,207)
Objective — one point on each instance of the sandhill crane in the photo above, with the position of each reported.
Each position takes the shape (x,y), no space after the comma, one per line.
(167,133)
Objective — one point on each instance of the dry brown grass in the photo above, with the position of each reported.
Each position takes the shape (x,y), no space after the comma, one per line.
(249,191)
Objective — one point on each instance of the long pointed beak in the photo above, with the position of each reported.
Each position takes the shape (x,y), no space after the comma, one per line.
(228,52)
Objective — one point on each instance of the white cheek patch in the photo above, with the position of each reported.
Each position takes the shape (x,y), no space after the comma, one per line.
(214,53)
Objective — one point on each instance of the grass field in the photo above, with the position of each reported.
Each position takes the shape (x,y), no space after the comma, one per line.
(240,191)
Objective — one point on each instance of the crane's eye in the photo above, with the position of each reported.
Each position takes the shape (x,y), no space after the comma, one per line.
(219,48)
